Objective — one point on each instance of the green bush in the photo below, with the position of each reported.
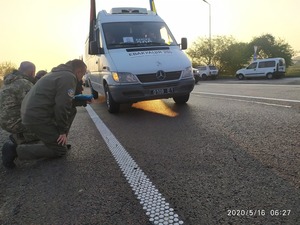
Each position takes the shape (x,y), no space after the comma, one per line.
(293,71)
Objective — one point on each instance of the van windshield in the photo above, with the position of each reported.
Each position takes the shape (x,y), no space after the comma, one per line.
(137,34)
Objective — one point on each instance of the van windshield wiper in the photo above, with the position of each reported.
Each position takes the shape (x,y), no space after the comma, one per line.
(156,43)
(124,45)
(131,44)
(134,44)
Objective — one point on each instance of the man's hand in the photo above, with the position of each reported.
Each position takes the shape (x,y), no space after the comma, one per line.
(62,139)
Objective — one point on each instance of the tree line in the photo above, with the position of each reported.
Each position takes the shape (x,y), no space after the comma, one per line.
(230,55)
(224,52)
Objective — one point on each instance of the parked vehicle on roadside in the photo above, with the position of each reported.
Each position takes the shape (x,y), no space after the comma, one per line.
(208,72)
(196,75)
(268,68)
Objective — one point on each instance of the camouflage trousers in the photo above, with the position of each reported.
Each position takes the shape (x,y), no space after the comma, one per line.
(19,132)
(47,147)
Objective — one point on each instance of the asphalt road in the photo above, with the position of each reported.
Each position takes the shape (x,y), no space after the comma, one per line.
(229,156)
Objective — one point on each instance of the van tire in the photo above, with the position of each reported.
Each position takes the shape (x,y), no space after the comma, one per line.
(180,100)
(112,106)
(269,76)
(93,92)
(204,77)
(240,76)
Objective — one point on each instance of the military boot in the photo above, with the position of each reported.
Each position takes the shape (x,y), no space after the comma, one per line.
(9,154)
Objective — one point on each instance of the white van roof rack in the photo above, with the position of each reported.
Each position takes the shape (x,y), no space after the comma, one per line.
(128,10)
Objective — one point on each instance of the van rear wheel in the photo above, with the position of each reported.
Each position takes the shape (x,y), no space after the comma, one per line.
(112,106)
(181,99)
(269,75)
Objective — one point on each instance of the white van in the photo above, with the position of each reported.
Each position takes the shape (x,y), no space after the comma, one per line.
(269,68)
(134,57)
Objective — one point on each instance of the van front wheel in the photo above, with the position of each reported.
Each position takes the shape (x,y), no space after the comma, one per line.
(240,76)
(112,106)
(269,75)
(181,99)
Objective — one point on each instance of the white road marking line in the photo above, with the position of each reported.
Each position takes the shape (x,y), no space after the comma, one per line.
(256,84)
(262,103)
(152,201)
(245,96)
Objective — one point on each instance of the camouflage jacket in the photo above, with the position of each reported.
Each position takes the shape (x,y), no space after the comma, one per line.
(51,99)
(15,87)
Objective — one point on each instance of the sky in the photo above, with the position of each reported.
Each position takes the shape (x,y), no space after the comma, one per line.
(51,32)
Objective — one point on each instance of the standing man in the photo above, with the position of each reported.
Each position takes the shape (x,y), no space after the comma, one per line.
(47,111)
(16,85)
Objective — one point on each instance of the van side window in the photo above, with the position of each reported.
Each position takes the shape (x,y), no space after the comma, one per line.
(165,36)
(266,64)
(252,65)
(281,62)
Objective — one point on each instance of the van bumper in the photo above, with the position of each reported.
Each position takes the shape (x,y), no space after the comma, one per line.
(140,92)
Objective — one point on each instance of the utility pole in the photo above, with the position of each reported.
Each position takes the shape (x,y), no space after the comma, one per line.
(209,30)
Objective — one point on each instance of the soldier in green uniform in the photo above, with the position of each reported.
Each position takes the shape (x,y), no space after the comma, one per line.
(16,86)
(48,111)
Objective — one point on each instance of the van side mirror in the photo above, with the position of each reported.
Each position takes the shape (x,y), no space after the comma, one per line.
(183,43)
(94,49)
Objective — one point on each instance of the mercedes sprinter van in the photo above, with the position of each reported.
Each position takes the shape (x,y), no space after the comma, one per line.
(133,57)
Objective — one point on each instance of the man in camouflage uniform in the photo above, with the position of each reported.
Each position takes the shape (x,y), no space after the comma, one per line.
(48,111)
(16,85)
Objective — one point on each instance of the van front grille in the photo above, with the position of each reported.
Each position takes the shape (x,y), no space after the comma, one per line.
(152,77)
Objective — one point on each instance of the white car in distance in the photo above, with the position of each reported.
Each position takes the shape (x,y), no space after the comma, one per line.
(208,71)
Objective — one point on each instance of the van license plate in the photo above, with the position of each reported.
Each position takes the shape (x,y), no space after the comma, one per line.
(162,91)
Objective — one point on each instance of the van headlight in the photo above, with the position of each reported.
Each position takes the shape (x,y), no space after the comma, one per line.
(187,72)
(123,77)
